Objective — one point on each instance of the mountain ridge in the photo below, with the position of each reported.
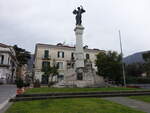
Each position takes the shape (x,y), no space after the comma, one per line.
(135,58)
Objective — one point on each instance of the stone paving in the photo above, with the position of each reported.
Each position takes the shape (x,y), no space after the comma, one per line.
(6,92)
(139,105)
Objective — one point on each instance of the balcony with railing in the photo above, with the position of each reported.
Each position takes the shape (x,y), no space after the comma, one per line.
(46,58)
(5,65)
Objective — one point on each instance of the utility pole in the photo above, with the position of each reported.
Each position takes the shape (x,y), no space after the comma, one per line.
(123,68)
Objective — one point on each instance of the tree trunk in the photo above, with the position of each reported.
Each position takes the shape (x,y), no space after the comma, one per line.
(50,82)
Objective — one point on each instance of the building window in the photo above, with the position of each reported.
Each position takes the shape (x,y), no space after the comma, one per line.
(45,64)
(2,59)
(60,77)
(46,54)
(72,65)
(60,65)
(72,56)
(87,56)
(44,79)
(60,54)
(79,76)
(8,61)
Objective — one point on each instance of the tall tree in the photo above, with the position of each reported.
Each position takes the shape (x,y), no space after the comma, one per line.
(22,55)
(146,57)
(109,65)
(50,72)
(135,69)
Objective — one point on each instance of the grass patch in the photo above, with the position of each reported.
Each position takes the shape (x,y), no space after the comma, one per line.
(48,90)
(141,98)
(80,105)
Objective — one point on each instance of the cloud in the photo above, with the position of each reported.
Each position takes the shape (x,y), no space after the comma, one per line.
(27,22)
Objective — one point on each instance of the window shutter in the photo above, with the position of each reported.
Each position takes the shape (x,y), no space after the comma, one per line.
(72,55)
(42,64)
(62,54)
(87,56)
(58,54)
(57,65)
(2,59)
(45,64)
(46,54)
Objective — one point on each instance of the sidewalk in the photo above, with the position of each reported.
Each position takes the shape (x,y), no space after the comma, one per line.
(139,105)
(6,92)
(3,110)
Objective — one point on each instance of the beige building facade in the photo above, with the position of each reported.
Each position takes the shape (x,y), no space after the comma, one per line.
(62,55)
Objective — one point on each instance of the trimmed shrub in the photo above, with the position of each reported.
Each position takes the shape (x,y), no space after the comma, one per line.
(138,80)
(19,83)
(26,84)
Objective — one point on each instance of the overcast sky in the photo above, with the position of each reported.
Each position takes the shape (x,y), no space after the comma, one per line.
(27,22)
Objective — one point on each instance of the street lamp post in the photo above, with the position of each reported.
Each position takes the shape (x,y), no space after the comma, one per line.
(123,68)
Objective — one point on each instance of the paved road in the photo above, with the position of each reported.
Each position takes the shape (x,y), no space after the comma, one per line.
(139,105)
(6,92)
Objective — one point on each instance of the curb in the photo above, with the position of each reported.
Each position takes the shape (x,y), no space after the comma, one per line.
(5,103)
(4,109)
(75,95)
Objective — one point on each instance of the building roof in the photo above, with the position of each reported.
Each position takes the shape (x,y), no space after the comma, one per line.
(4,45)
(65,47)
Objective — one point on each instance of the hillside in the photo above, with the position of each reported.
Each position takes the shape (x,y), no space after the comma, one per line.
(134,58)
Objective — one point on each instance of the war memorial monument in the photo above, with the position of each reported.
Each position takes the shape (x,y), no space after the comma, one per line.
(83,75)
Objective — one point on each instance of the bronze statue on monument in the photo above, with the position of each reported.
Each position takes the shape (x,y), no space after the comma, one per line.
(78,12)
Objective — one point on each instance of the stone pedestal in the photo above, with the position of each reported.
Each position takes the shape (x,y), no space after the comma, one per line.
(79,54)
(82,75)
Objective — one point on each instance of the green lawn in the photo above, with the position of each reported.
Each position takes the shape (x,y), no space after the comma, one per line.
(47,90)
(142,98)
(80,105)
